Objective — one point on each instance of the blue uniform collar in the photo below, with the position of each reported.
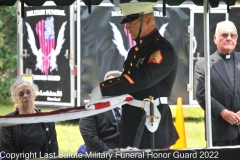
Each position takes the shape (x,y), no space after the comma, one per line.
(151,36)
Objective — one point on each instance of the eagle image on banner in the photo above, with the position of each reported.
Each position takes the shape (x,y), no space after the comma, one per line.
(46,55)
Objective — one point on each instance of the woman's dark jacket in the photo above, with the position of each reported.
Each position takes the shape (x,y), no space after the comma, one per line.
(10,138)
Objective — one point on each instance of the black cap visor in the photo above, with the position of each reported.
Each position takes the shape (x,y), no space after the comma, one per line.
(130,18)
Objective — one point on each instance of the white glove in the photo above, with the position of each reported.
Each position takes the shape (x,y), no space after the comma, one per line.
(96,95)
(129,149)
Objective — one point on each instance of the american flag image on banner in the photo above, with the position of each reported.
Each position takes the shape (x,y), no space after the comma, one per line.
(46,36)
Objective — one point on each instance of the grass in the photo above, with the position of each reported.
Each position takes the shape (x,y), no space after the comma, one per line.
(5,101)
(5,110)
(69,137)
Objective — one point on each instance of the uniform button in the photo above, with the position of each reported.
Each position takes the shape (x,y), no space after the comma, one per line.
(49,142)
(118,78)
(134,56)
(136,49)
(102,84)
(128,72)
(131,64)
(110,81)
(47,129)
(141,41)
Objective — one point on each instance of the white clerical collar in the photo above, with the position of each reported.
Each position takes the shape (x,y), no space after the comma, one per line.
(228,56)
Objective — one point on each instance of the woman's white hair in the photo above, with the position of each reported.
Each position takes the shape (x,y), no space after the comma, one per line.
(21,81)
(114,73)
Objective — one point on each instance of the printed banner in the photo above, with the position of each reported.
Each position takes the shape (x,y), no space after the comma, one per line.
(46,40)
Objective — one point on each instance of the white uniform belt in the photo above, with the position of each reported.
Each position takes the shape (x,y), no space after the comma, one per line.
(160,100)
(152,121)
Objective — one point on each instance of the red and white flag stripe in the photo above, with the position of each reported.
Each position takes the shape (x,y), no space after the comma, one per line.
(102,105)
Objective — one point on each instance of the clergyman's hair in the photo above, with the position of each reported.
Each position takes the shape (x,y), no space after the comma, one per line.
(224,23)
(114,73)
(21,81)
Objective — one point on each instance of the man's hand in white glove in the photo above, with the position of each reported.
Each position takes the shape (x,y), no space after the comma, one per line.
(96,95)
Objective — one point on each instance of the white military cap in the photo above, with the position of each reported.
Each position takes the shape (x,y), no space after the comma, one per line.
(133,10)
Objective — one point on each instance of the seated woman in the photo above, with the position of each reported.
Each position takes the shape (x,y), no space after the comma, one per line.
(37,139)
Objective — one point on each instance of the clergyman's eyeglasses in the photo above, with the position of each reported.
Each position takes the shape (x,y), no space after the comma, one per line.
(225,35)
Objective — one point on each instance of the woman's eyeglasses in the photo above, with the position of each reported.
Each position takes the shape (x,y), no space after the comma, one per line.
(225,35)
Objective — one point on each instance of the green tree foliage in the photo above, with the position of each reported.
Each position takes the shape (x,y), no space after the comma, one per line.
(8,46)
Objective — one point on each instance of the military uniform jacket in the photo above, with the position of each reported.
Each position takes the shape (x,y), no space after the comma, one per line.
(223,94)
(149,70)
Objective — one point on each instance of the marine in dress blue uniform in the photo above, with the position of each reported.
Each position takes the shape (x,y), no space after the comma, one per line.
(149,70)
